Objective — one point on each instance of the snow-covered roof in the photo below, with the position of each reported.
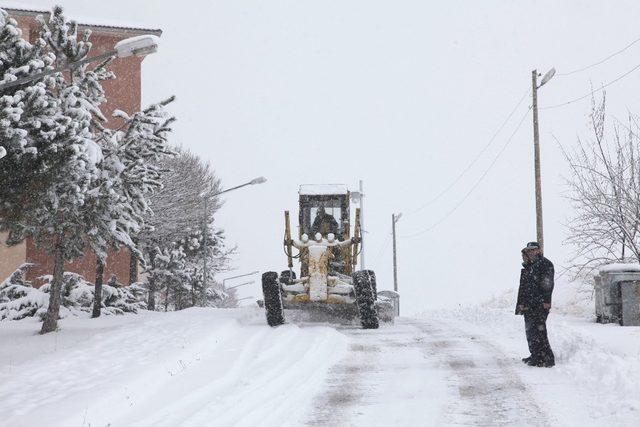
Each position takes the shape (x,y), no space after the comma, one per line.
(323,189)
(91,23)
(619,268)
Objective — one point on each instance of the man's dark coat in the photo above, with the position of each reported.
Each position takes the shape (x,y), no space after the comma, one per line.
(536,285)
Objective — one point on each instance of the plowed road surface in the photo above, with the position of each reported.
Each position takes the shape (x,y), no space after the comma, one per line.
(418,373)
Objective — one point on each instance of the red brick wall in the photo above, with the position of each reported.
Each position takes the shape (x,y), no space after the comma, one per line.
(123,94)
(117,265)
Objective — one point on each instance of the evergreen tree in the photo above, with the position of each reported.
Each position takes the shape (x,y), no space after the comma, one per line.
(52,161)
(128,176)
(76,182)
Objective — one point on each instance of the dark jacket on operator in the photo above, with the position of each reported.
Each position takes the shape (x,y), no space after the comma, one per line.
(536,285)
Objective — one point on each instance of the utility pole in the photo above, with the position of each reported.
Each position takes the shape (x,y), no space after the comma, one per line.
(536,148)
(362,229)
(394,219)
(395,260)
(536,155)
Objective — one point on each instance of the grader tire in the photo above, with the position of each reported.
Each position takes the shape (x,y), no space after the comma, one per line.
(374,284)
(365,300)
(272,299)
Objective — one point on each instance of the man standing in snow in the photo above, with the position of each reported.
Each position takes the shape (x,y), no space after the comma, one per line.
(534,302)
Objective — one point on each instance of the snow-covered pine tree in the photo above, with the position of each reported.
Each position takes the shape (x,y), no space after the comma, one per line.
(83,94)
(126,165)
(129,174)
(169,275)
(52,160)
(29,120)
(57,186)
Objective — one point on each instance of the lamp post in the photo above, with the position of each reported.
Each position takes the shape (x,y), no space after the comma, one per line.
(536,149)
(205,272)
(138,46)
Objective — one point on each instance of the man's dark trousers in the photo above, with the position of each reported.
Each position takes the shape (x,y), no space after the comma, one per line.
(535,323)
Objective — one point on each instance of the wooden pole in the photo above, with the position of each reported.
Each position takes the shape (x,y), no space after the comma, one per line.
(536,153)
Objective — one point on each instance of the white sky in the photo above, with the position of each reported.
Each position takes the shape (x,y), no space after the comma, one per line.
(401,94)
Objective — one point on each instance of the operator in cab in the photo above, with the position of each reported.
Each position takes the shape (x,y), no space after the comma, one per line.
(324,223)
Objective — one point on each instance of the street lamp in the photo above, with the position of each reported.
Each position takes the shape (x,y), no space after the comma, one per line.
(255,181)
(206,195)
(536,149)
(138,46)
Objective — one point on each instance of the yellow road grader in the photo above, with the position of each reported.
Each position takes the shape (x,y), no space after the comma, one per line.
(328,253)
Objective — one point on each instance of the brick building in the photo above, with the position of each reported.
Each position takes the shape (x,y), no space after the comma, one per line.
(124,94)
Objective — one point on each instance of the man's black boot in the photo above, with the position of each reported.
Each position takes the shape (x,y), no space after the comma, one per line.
(526,359)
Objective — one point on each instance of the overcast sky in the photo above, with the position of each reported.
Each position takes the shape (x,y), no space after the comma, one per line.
(400,94)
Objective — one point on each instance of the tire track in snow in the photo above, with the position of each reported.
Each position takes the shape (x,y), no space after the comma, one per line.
(487,390)
(383,380)
(414,373)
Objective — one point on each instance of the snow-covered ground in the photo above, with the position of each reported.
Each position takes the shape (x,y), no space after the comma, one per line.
(225,367)
(596,380)
(193,367)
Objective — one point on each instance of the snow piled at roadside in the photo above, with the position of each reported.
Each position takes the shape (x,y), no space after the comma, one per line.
(596,380)
(191,367)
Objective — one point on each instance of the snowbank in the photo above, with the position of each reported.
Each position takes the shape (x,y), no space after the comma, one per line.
(192,367)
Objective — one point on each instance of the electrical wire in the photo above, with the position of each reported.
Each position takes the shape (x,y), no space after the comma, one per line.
(474,161)
(466,196)
(601,61)
(580,98)
(383,248)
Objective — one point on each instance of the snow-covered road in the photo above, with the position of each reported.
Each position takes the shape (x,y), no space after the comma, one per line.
(226,367)
(420,373)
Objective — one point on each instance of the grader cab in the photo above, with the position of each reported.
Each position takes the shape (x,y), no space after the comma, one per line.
(327,250)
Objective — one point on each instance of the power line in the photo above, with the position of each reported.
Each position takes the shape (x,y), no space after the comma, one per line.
(383,248)
(474,161)
(466,196)
(601,61)
(580,98)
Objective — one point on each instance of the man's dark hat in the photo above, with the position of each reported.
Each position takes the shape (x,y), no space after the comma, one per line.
(531,246)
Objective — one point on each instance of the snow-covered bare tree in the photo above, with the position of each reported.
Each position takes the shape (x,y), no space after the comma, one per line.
(604,191)
(183,217)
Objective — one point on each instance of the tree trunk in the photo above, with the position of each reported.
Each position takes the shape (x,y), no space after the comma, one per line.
(151,301)
(97,295)
(193,293)
(50,323)
(133,268)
